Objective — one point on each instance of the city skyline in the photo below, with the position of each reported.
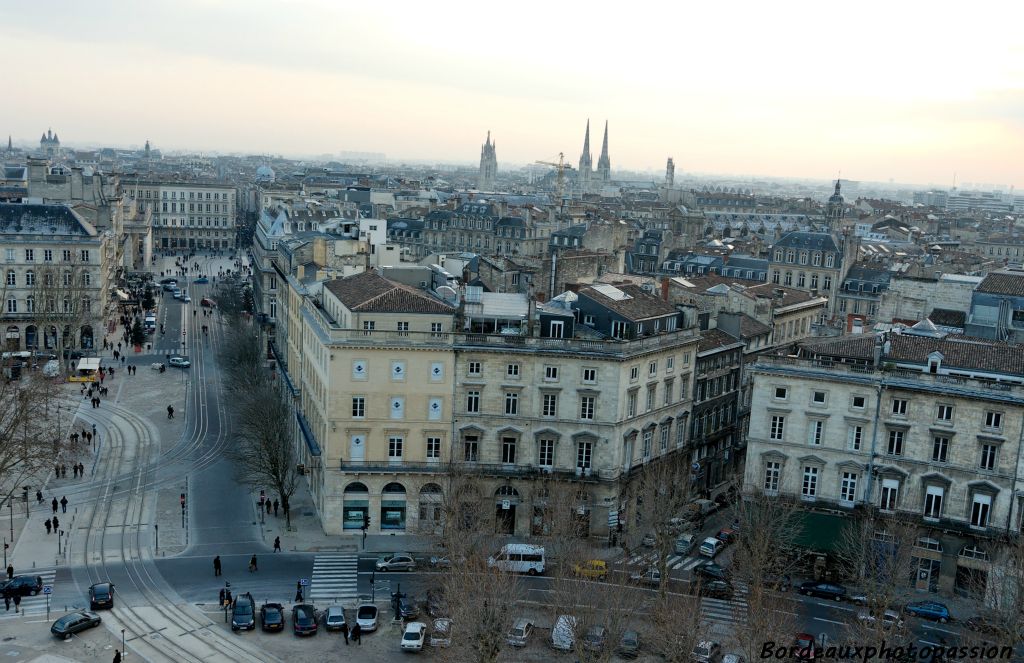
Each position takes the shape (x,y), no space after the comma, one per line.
(814,94)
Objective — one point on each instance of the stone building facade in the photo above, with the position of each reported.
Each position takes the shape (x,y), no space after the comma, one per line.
(187,214)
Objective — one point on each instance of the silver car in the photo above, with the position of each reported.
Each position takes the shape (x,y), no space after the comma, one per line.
(334,618)
(366,617)
(396,562)
(520,634)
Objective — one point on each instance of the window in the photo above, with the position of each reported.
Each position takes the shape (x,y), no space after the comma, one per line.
(587,408)
(815,432)
(933,502)
(826,282)
(778,427)
(435,329)
(652,369)
(988,456)
(474,368)
(12,278)
(86,279)
(994,420)
(556,329)
(848,488)
(944,413)
(801,280)
(11,255)
(511,403)
(669,384)
(634,372)
(890,495)
(980,507)
(368,327)
(780,393)
(651,397)
(433,448)
(85,255)
(854,437)
(895,447)
(899,407)
(66,255)
(512,370)
(394,449)
(551,373)
(590,375)
(584,450)
(814,281)
(647,440)
(775,277)
(788,280)
(830,260)
(809,488)
(670,363)
(403,328)
(550,405)
(358,407)
(666,431)
(508,450)
(473,401)
(940,449)
(12,305)
(471,446)
(30,304)
(631,404)
(772,473)
(818,398)
(47,255)
(588,320)
(858,402)
(546,452)
(30,255)
(618,329)
(816,259)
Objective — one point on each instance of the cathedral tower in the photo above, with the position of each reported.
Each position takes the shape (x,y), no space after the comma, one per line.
(586,164)
(488,165)
(604,164)
(835,210)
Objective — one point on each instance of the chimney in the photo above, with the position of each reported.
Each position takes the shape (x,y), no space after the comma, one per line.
(664,288)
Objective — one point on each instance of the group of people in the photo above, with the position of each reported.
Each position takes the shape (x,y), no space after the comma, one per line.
(60,471)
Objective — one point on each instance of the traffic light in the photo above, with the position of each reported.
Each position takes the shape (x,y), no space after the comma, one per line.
(366,520)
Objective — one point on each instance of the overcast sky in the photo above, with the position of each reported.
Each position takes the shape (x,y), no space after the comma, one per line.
(910,91)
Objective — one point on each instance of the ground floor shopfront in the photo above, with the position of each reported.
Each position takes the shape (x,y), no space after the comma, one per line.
(34,337)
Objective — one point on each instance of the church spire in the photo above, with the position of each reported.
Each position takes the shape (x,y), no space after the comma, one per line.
(586,163)
(586,142)
(604,164)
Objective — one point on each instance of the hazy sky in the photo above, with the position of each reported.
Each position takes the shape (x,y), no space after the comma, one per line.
(913,91)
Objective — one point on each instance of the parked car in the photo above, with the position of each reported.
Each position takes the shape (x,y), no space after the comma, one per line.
(304,620)
(437,605)
(706,651)
(711,570)
(441,633)
(22,586)
(74,622)
(206,302)
(733,658)
(629,645)
(180,362)
(716,589)
(595,638)
(185,298)
(407,608)
(779,582)
(989,623)
(685,544)
(440,562)
(414,635)
(520,634)
(563,634)
(201,279)
(167,280)
(649,540)
(931,610)
(396,562)
(243,613)
(890,618)
(366,617)
(727,535)
(711,547)
(272,617)
(334,618)
(594,569)
(101,595)
(651,577)
(824,590)
(805,647)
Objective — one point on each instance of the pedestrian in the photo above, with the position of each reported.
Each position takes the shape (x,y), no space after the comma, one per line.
(357,634)
(74,471)
(268,508)
(344,631)
(277,544)
(64,504)
(48,525)
(10,571)
(56,467)
(221,596)
(54,504)
(216,565)
(276,504)
(39,496)
(117,656)
(56,524)
(63,471)
(81,469)
(298,592)
(252,564)
(94,429)
(170,412)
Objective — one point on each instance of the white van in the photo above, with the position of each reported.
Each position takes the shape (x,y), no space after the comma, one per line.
(519,558)
(711,547)
(563,635)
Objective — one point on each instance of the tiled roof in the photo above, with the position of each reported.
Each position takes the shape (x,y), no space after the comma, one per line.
(965,354)
(711,339)
(1002,283)
(369,292)
(639,306)
(945,317)
(783,296)
(852,346)
(750,327)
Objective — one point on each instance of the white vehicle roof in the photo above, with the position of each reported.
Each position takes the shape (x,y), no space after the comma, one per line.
(712,540)
(522,548)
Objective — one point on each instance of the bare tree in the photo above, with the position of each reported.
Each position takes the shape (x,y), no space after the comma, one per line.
(999,619)
(676,626)
(28,443)
(65,299)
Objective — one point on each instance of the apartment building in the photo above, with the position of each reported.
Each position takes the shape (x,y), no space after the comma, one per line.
(917,423)
(187,214)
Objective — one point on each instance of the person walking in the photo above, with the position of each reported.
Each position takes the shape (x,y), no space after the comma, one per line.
(344,631)
(276,504)
(117,656)
(277,544)
(216,565)
(48,525)
(81,470)
(170,412)
(268,508)
(357,634)
(221,596)
(39,496)
(56,524)
(10,571)
(74,470)
(64,503)
(54,504)
(63,471)
(252,564)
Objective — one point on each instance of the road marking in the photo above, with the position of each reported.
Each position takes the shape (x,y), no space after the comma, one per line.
(335,576)
(936,628)
(828,621)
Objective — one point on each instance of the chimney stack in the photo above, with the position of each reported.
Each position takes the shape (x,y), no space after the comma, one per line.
(664,288)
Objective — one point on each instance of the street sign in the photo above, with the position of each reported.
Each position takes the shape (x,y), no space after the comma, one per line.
(613,518)
(47,589)
(506,505)
(304,582)
(182,500)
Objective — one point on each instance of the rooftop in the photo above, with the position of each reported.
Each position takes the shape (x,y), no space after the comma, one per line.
(629,301)
(23,219)
(1003,283)
(369,292)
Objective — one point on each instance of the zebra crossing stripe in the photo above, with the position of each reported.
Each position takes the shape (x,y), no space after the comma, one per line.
(37,603)
(335,576)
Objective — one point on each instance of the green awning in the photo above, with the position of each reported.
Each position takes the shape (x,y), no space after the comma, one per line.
(821,532)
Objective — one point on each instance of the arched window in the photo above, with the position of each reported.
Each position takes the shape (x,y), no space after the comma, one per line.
(12,278)
(30,277)
(30,304)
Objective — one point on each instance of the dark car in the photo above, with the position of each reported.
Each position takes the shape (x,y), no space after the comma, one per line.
(824,590)
(629,645)
(272,617)
(407,608)
(74,622)
(778,582)
(304,619)
(711,571)
(716,589)
(243,614)
(989,623)
(101,595)
(201,279)
(22,586)
(933,610)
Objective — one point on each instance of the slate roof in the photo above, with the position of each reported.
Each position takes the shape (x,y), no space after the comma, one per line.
(711,339)
(369,292)
(1003,283)
(808,240)
(945,317)
(789,296)
(751,327)
(960,353)
(640,306)
(851,346)
(18,219)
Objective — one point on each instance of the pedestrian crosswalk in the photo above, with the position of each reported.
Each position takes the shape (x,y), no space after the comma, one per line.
(675,562)
(335,577)
(36,605)
(733,611)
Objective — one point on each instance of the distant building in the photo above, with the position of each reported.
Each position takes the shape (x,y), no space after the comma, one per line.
(49,145)
(488,165)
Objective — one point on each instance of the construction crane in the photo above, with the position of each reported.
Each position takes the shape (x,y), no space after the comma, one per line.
(560,166)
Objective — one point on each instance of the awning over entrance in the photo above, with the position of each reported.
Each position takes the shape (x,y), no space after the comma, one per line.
(822,532)
(307,435)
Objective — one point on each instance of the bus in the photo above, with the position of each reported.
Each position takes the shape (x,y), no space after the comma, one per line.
(86,370)
(519,558)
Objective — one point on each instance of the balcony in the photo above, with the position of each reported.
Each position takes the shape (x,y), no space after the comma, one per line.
(482,469)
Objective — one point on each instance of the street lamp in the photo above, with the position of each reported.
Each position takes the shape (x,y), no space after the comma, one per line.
(60,535)
(10,505)
(124,653)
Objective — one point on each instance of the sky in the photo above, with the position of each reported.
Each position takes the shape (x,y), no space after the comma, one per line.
(902,90)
